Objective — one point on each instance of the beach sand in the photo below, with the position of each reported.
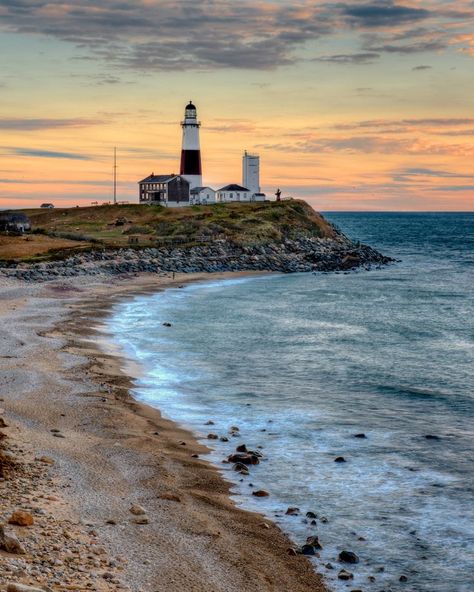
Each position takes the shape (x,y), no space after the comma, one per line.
(110,453)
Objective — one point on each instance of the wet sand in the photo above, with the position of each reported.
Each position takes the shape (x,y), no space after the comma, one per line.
(115,453)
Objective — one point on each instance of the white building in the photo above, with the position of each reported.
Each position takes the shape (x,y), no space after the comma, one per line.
(233,192)
(202,196)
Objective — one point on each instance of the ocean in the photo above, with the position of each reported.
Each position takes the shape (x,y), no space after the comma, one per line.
(303,363)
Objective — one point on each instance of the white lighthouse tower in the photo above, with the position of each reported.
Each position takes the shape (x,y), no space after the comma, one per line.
(251,173)
(191,152)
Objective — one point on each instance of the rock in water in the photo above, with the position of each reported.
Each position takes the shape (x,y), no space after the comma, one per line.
(260,493)
(245,458)
(21,518)
(345,575)
(340,459)
(314,542)
(348,557)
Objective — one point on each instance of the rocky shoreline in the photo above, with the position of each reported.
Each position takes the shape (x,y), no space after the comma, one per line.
(299,255)
(99,492)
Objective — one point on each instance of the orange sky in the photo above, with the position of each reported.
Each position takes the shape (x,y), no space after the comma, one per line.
(352,106)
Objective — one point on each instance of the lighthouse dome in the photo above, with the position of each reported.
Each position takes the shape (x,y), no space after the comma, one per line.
(190,106)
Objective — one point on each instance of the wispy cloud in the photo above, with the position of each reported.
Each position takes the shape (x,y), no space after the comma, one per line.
(36,153)
(27,124)
(349,58)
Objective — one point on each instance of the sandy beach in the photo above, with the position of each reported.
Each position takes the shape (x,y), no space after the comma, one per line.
(81,454)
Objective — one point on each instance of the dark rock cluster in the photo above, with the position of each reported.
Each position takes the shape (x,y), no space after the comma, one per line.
(299,255)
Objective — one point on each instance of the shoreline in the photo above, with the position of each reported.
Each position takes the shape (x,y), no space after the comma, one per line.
(121,452)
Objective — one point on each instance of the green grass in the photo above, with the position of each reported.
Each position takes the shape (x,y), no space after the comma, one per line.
(241,223)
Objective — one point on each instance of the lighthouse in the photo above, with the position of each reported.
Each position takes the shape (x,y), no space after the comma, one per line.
(191,153)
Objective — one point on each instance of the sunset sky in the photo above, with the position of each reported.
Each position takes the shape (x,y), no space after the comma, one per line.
(351,105)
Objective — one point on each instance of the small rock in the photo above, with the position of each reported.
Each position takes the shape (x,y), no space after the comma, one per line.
(348,557)
(224,439)
(241,468)
(22,588)
(292,511)
(340,459)
(311,515)
(260,493)
(3,423)
(21,518)
(241,448)
(111,521)
(361,435)
(58,435)
(9,543)
(403,578)
(171,497)
(141,520)
(212,437)
(167,324)
(345,575)
(137,510)
(314,542)
(46,460)
(328,566)
(245,458)
(210,422)
(432,437)
(55,431)
(308,550)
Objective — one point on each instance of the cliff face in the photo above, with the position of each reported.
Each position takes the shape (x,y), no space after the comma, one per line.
(286,237)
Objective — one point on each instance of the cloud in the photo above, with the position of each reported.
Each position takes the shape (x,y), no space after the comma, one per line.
(370,144)
(407,174)
(417,47)
(448,188)
(25,124)
(46,154)
(149,35)
(383,14)
(403,125)
(349,58)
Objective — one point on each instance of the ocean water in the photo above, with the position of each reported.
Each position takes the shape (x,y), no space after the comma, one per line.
(301,363)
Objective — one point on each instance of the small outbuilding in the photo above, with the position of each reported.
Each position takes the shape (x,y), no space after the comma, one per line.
(232,192)
(15,222)
(165,190)
(202,196)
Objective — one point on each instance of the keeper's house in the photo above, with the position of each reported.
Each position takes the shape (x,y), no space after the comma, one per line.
(231,193)
(164,190)
(203,196)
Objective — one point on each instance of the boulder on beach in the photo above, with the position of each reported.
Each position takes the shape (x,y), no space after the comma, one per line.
(9,543)
(21,518)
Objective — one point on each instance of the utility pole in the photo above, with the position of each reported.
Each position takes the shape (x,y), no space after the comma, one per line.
(115,176)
